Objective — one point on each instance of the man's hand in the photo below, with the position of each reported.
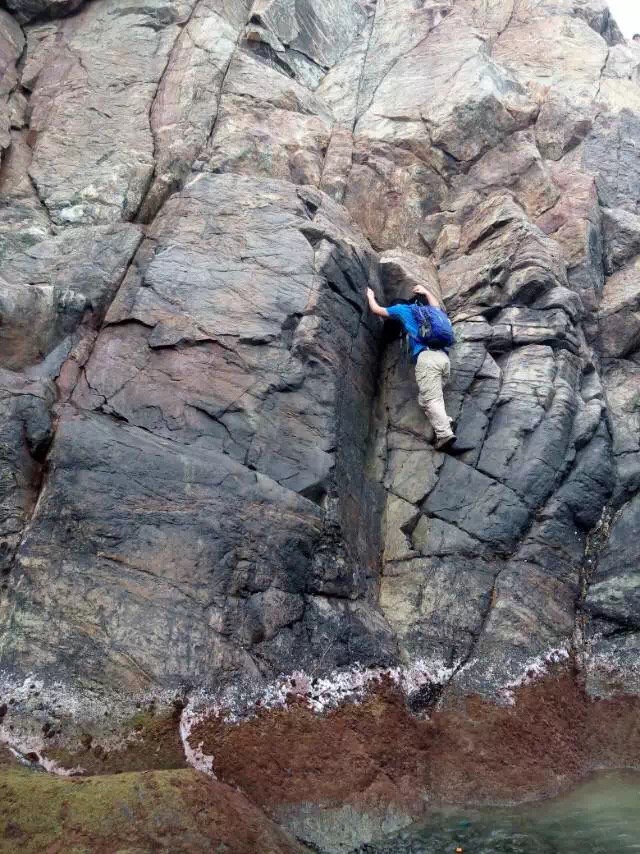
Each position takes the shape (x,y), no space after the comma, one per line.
(373,304)
(420,290)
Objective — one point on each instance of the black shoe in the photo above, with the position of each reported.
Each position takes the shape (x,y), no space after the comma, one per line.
(446,443)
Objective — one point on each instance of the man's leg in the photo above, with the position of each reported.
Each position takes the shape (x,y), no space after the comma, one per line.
(437,415)
(432,371)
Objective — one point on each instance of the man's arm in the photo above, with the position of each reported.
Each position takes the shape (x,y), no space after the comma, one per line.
(420,289)
(377,309)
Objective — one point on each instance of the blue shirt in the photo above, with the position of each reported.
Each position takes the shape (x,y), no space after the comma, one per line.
(404,314)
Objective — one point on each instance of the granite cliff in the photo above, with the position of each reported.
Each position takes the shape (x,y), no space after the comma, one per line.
(219,501)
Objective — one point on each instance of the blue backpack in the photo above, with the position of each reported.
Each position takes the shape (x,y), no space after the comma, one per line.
(436,331)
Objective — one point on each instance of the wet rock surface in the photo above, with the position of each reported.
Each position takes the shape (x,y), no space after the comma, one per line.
(214,471)
(377,766)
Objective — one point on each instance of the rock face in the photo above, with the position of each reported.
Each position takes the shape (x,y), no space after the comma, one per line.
(216,482)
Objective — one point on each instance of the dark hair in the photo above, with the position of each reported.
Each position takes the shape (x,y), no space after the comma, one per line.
(417,299)
(636,37)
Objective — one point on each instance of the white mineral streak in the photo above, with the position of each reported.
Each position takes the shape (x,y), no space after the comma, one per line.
(194,755)
(320,695)
(236,704)
(534,670)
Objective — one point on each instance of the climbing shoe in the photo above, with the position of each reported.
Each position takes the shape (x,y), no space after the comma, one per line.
(445,443)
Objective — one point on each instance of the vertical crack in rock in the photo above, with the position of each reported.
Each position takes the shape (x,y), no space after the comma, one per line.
(390,69)
(212,129)
(358,111)
(39,489)
(595,542)
(27,429)
(142,215)
(601,78)
(515,8)
(176,155)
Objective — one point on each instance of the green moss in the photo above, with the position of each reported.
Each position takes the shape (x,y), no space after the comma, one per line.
(128,813)
(38,810)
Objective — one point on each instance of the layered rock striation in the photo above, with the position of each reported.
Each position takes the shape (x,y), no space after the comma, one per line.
(217,486)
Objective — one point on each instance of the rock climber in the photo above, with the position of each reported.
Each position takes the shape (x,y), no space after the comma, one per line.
(428,347)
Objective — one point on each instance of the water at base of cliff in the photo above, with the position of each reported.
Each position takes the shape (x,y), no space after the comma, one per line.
(600,816)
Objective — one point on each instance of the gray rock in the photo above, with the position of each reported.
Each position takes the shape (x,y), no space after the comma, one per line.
(612,665)
(478,505)
(529,626)
(409,186)
(619,317)
(451,91)
(620,381)
(93,156)
(531,428)
(623,63)
(562,125)
(399,519)
(27,10)
(621,237)
(337,163)
(185,106)
(401,271)
(614,593)
(502,259)
(412,474)
(436,606)
(598,15)
(173,561)
(515,165)
(51,285)
(610,152)
(251,326)
(23,218)
(558,51)
(27,429)
(11,45)
(314,37)
(341,86)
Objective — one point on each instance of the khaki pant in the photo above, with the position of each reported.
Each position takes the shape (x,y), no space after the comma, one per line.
(432,374)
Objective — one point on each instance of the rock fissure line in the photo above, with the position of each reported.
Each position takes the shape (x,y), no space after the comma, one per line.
(357,112)
(214,123)
(152,103)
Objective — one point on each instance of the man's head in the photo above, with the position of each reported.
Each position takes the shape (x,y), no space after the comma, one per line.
(636,38)
(416,299)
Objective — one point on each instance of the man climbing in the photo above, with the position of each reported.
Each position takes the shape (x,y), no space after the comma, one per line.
(429,333)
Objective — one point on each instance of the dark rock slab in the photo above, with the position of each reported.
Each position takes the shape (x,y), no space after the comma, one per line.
(478,505)
(614,592)
(26,427)
(50,286)
(169,555)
